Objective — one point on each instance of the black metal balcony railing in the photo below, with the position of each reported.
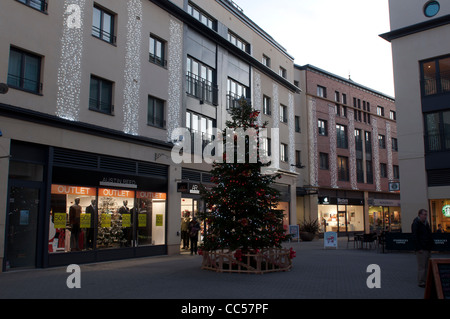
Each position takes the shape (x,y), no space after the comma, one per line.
(436,85)
(202,137)
(104,35)
(97,105)
(24,83)
(233,100)
(437,142)
(202,89)
(157,60)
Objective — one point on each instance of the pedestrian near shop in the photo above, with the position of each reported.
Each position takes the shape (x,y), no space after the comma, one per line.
(194,228)
(423,243)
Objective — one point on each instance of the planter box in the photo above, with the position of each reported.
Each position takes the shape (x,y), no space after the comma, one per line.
(305,236)
(264,261)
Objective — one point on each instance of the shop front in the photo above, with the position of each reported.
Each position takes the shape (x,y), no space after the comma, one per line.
(73,207)
(440,215)
(341,215)
(384,215)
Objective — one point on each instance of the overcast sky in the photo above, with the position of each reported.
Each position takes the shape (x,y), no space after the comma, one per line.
(339,36)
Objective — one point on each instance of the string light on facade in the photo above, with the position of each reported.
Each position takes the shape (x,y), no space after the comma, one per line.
(69,70)
(132,72)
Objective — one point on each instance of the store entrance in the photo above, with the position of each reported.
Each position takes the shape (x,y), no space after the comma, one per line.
(24,212)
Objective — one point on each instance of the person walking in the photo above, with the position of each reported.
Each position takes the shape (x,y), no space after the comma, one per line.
(423,243)
(194,227)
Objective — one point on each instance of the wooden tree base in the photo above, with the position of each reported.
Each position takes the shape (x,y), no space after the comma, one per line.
(263,261)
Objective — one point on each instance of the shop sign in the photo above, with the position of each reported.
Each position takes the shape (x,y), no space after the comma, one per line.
(73,190)
(59,220)
(115,193)
(118,182)
(150,195)
(142,220)
(188,188)
(159,220)
(106,220)
(446,210)
(342,201)
(126,220)
(330,239)
(85,220)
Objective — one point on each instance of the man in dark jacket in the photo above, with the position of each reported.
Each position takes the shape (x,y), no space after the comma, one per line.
(423,243)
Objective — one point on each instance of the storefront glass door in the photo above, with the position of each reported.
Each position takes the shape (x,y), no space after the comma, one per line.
(24,203)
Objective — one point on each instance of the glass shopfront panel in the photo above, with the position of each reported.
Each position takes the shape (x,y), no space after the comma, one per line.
(341,218)
(384,218)
(440,215)
(86,218)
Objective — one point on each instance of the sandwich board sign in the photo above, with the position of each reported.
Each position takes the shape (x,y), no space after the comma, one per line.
(330,239)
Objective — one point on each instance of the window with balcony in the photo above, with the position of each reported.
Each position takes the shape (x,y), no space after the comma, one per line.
(435,76)
(155,114)
(103,25)
(40,5)
(235,91)
(200,81)
(200,127)
(101,95)
(157,51)
(437,131)
(24,71)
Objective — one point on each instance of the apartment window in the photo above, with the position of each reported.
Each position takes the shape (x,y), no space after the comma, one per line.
(157,51)
(40,5)
(369,172)
(200,81)
(380,110)
(394,144)
(202,16)
(103,25)
(437,131)
(283,113)
(237,41)
(323,161)
(396,171)
(100,95)
(368,142)
(266,60)
(392,115)
(24,71)
(383,170)
(336,96)
(343,168)
(266,105)
(341,136)
(298,159)
(435,77)
(381,141)
(297,124)
(282,72)
(322,124)
(266,147)
(156,112)
(358,140)
(344,98)
(284,152)
(359,171)
(201,128)
(235,91)
(321,91)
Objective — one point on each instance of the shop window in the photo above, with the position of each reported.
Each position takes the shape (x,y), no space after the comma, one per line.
(85,218)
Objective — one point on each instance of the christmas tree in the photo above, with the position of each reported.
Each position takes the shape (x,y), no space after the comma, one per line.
(241,212)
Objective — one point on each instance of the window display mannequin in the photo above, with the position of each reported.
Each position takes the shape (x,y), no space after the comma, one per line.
(74,220)
(90,231)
